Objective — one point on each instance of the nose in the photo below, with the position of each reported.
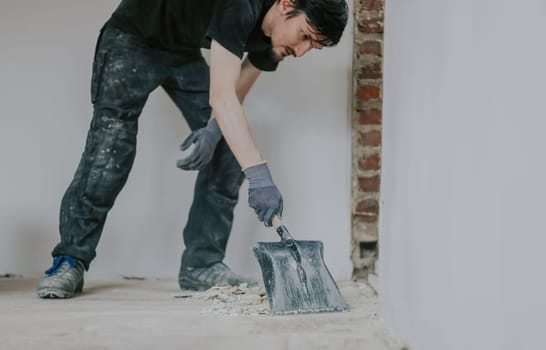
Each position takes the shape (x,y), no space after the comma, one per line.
(303,48)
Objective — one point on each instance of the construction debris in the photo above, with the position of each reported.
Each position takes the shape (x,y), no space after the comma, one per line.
(244,300)
(232,300)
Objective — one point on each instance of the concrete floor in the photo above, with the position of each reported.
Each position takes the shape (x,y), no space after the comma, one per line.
(148,314)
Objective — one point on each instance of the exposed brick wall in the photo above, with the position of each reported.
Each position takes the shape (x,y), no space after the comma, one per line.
(366,126)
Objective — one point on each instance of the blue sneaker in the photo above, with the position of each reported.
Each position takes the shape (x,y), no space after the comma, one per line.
(63,280)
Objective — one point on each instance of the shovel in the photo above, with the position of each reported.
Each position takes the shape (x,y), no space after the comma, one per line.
(295,276)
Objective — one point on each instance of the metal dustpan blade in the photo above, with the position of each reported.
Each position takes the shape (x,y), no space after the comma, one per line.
(292,288)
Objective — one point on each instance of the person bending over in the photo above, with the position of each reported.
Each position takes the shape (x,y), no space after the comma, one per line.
(150,43)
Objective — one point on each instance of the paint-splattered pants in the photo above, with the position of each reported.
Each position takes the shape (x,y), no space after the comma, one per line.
(125,71)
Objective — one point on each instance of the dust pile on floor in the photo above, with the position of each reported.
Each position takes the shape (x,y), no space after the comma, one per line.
(245,300)
(230,300)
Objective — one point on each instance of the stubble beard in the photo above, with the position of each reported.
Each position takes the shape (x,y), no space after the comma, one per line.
(277,57)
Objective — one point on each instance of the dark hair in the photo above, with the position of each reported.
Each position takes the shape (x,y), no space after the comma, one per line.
(328,18)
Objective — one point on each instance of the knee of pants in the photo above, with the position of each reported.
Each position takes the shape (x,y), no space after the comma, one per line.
(222,186)
(108,157)
(227,187)
(113,130)
(225,174)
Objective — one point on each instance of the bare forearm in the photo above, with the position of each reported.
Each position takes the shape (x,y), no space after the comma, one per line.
(235,129)
(247,78)
(229,81)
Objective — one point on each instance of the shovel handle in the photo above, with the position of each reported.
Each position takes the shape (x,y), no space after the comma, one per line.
(276,221)
(281,230)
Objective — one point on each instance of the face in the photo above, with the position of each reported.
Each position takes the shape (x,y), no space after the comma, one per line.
(292,36)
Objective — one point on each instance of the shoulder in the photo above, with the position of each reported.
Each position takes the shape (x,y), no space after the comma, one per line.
(241,10)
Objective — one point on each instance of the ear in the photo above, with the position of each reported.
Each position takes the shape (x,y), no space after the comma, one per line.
(285,6)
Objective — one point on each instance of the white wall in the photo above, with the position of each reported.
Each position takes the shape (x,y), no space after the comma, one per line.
(300,116)
(462,257)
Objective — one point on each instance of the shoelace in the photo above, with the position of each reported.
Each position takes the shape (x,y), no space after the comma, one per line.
(58,261)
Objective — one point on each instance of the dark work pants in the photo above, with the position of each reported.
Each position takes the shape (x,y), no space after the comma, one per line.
(125,71)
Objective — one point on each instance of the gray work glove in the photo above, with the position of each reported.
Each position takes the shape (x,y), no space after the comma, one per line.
(204,142)
(263,195)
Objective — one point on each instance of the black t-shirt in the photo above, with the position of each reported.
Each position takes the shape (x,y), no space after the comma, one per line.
(185,26)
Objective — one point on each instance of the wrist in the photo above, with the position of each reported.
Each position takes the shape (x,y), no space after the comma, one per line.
(253,165)
(214,129)
(258,176)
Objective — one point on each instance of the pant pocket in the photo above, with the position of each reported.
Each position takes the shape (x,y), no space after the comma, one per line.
(98,70)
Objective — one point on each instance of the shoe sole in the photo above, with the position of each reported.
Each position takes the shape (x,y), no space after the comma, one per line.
(54,293)
(51,293)
(189,284)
